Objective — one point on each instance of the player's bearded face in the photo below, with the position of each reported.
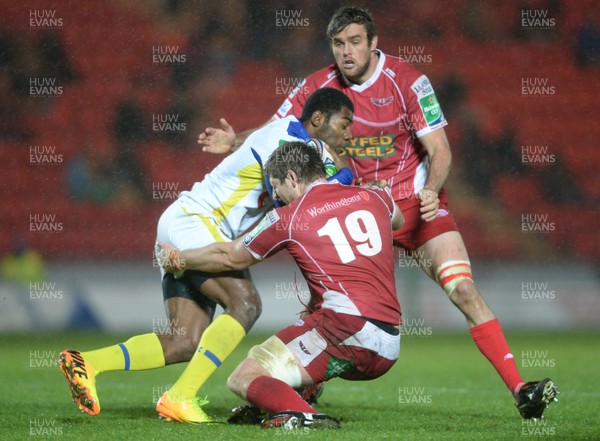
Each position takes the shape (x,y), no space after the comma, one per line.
(353,53)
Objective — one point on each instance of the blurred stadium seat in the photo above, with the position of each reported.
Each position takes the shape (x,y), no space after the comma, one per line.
(109,45)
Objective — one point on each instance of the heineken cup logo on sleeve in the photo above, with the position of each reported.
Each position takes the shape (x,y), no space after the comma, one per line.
(428,102)
(431,108)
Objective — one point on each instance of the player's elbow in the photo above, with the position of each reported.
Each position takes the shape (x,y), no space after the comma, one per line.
(439,151)
(447,155)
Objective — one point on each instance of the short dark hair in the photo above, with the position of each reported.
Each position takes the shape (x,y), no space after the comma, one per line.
(296,156)
(328,101)
(347,15)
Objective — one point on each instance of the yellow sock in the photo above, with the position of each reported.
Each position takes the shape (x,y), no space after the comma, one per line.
(217,343)
(136,354)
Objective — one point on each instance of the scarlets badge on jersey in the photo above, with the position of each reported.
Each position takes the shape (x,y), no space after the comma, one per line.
(270,218)
(428,102)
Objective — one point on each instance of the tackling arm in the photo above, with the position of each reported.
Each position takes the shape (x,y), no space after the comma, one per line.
(213,258)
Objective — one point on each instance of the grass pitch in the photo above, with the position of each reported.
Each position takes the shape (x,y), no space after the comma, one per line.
(441,388)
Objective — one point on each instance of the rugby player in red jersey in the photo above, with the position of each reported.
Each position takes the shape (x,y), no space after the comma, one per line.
(341,238)
(399,137)
(221,207)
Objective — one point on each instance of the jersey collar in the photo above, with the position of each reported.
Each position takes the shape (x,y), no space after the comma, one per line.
(370,81)
(296,129)
(318,182)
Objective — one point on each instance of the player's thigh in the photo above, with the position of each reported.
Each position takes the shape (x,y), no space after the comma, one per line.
(367,352)
(189,313)
(187,319)
(185,304)
(440,249)
(186,231)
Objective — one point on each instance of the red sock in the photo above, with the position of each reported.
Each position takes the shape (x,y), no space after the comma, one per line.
(274,396)
(490,340)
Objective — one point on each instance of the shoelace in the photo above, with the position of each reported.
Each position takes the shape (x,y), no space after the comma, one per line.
(200,401)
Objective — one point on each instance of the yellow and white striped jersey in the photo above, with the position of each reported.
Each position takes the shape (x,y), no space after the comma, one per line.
(234,196)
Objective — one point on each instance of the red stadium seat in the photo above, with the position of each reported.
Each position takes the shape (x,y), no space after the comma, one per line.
(110,44)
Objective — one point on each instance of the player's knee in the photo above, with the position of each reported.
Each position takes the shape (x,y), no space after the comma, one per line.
(246,308)
(189,346)
(254,309)
(276,360)
(455,277)
(182,346)
(465,293)
(234,384)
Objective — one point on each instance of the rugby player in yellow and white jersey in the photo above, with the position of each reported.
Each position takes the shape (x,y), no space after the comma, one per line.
(224,205)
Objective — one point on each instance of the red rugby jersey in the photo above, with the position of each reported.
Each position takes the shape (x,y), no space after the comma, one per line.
(392,109)
(341,238)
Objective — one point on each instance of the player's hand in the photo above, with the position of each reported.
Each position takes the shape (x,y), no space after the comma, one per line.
(382,183)
(430,203)
(333,151)
(335,155)
(168,257)
(218,141)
